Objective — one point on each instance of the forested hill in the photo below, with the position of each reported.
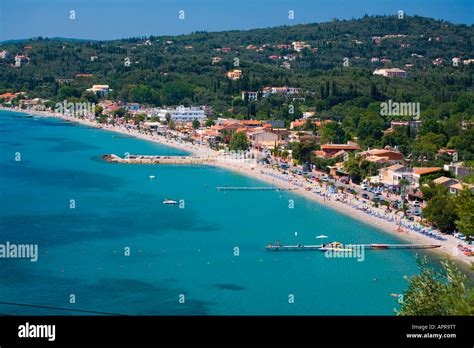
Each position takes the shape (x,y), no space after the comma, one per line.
(167,70)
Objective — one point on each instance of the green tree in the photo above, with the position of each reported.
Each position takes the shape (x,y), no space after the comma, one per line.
(332,132)
(444,292)
(98,110)
(301,151)
(399,138)
(171,125)
(140,118)
(168,118)
(196,124)
(441,211)
(358,168)
(369,130)
(239,142)
(120,112)
(464,143)
(403,183)
(465,211)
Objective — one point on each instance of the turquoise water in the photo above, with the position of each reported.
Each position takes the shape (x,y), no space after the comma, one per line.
(173,251)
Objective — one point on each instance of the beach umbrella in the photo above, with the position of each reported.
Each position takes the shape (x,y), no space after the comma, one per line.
(321,236)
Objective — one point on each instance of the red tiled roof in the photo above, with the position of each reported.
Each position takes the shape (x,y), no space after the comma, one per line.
(251,122)
(7,95)
(426,170)
(340,147)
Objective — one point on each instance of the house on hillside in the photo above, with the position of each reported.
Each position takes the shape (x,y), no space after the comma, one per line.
(454,186)
(285,90)
(99,90)
(235,74)
(249,95)
(335,150)
(382,156)
(393,72)
(459,170)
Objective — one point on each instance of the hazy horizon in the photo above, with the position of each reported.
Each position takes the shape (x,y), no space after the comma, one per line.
(121,19)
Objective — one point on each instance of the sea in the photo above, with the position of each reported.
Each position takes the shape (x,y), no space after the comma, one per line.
(108,245)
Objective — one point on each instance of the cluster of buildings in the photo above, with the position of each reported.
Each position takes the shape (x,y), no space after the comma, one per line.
(377,40)
(393,172)
(262,134)
(296,46)
(19,59)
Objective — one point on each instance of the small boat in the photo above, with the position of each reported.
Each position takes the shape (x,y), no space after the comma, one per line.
(169,201)
(152,177)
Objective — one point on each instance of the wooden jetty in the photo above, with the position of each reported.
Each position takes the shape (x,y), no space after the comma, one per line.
(298,247)
(394,246)
(145,159)
(347,247)
(253,188)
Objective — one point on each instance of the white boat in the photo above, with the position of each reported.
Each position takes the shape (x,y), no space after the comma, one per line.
(169,201)
(152,177)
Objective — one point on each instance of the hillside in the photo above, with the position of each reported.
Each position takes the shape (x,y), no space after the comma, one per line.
(179,70)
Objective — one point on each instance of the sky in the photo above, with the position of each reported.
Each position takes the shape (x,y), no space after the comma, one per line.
(114,19)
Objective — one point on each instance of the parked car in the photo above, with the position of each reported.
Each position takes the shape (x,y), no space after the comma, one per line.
(344,180)
(365,196)
(459,236)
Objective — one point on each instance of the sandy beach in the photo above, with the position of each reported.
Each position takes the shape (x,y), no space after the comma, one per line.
(266,174)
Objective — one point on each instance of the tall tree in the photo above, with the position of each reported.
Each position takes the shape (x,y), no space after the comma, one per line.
(435,291)
(465,212)
(239,142)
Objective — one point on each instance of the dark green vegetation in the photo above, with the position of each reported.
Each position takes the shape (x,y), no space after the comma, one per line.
(176,73)
(239,142)
(434,291)
(450,212)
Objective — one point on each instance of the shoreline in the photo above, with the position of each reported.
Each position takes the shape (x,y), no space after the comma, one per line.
(256,171)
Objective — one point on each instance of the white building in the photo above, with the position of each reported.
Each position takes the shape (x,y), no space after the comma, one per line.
(285,90)
(394,72)
(99,90)
(3,54)
(298,46)
(250,95)
(20,59)
(181,114)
